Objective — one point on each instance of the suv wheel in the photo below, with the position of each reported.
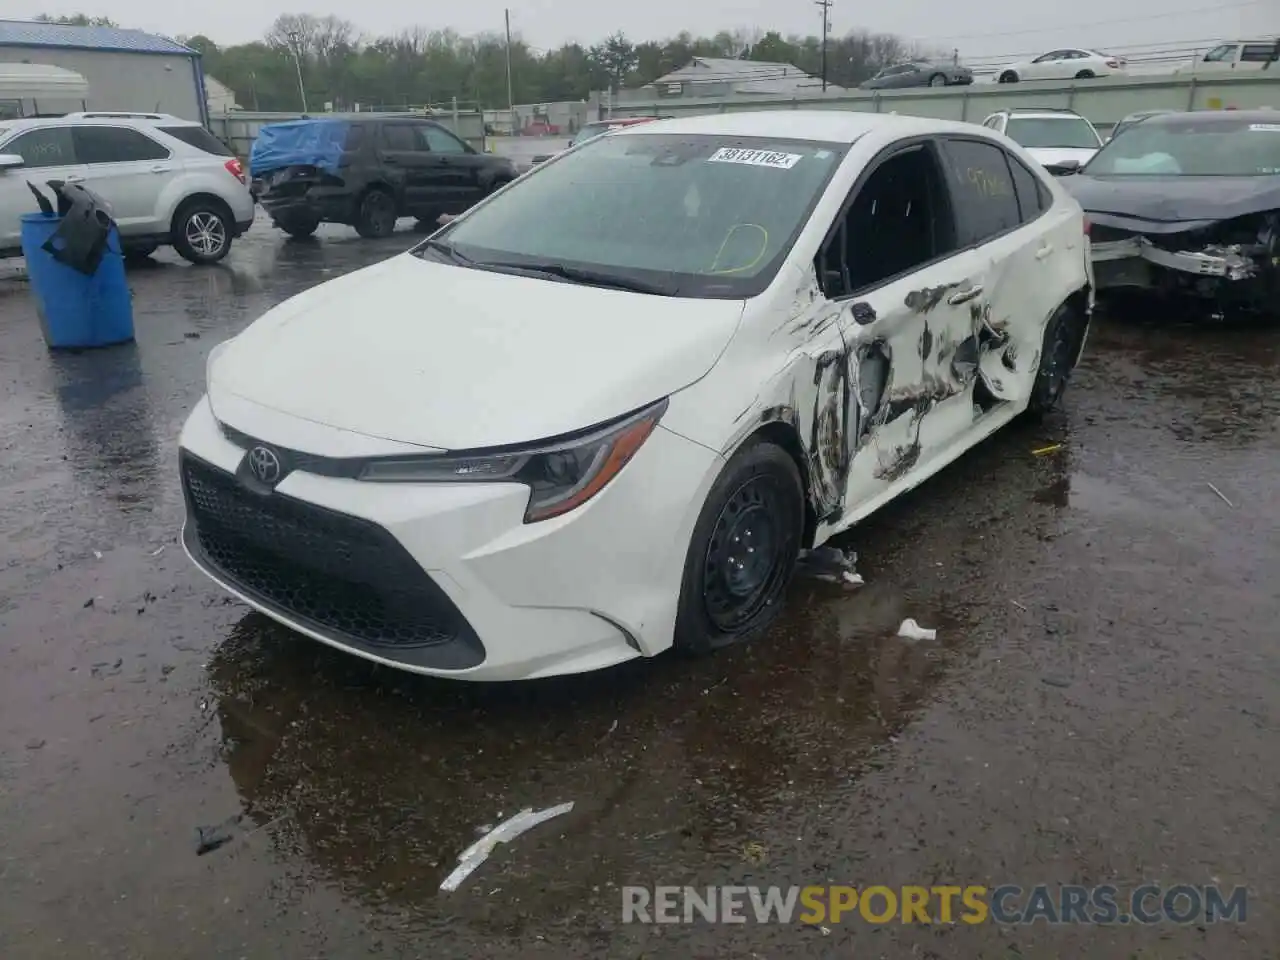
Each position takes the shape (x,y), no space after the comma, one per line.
(376,217)
(201,232)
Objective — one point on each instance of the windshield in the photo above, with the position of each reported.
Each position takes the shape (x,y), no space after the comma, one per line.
(587,132)
(697,215)
(1204,147)
(1052,132)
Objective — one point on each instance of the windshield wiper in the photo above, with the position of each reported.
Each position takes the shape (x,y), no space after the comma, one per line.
(448,250)
(589,278)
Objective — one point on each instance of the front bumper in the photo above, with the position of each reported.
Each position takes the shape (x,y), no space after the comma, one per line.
(447,579)
(1227,275)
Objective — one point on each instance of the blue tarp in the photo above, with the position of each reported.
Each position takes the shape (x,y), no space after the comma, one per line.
(316,143)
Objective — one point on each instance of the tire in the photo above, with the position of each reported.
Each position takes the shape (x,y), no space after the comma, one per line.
(202,231)
(299,227)
(1008,77)
(937,80)
(1085,75)
(758,496)
(1063,337)
(376,215)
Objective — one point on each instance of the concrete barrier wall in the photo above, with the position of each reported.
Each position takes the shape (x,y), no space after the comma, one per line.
(1104,100)
(238,130)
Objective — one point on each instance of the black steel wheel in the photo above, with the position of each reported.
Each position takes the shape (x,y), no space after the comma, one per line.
(1063,337)
(743,551)
(937,80)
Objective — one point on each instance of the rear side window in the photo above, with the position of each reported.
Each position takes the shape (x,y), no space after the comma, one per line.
(115,145)
(51,147)
(1257,52)
(1032,196)
(986,202)
(200,138)
(355,137)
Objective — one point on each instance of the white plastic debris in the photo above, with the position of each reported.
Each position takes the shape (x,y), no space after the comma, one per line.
(913,631)
(504,832)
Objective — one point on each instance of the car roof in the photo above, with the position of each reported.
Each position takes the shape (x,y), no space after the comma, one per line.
(98,119)
(832,126)
(1043,114)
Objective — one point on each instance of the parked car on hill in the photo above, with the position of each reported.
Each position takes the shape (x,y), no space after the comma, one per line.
(167,181)
(368,173)
(919,73)
(602,412)
(1065,64)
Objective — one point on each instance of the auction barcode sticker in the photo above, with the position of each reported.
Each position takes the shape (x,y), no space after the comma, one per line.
(755,158)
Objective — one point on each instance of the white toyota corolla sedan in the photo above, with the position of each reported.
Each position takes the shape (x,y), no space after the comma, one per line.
(601,413)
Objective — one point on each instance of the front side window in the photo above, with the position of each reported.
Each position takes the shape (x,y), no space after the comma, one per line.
(1224,52)
(440,140)
(693,215)
(50,147)
(986,201)
(1049,132)
(115,145)
(1199,147)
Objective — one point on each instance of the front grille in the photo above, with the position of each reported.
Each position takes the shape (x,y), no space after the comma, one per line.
(342,576)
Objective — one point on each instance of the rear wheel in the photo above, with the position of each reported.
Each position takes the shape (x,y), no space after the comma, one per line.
(743,551)
(1063,337)
(1085,75)
(376,217)
(937,80)
(1008,77)
(202,231)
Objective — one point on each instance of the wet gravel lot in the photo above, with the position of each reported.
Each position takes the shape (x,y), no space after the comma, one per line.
(1100,705)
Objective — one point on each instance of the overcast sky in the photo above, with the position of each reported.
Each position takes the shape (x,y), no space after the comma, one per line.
(978,27)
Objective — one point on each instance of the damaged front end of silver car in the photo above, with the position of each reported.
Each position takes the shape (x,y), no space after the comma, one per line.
(1226,264)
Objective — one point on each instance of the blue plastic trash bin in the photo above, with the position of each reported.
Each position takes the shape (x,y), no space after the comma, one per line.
(77,310)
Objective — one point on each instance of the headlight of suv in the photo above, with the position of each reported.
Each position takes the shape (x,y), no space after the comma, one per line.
(560,475)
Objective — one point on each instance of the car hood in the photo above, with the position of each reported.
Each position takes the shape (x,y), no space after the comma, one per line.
(1049,156)
(448,357)
(1174,203)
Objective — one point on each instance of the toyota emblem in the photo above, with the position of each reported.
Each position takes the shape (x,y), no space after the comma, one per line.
(265,465)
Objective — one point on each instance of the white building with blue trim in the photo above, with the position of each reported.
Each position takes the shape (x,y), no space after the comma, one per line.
(126,70)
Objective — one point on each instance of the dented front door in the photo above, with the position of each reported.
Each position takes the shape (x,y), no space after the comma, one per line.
(915,346)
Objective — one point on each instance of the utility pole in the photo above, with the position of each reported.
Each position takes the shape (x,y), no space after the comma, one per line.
(826,27)
(295,44)
(511,101)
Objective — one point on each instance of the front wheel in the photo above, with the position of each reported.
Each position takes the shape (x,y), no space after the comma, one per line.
(376,217)
(1063,337)
(202,232)
(299,227)
(743,551)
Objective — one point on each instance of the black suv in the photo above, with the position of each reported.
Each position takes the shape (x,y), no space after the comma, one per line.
(368,173)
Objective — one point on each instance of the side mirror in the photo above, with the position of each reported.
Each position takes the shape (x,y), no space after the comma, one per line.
(11,161)
(1065,168)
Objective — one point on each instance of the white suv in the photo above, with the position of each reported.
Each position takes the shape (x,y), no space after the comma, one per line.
(167,180)
(1059,140)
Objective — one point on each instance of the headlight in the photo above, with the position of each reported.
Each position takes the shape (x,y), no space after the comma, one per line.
(560,475)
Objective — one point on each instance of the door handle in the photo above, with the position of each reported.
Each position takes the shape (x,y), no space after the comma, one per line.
(1044,251)
(160,168)
(390,160)
(964,296)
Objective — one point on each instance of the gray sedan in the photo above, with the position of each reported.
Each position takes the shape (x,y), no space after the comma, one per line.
(919,73)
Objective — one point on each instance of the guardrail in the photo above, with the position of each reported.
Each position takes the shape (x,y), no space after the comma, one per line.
(1104,100)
